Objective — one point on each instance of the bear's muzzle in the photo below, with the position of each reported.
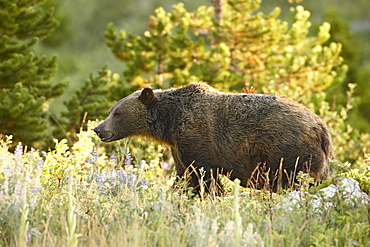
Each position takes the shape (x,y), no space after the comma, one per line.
(104,135)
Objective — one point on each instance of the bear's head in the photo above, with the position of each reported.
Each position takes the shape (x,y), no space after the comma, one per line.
(127,118)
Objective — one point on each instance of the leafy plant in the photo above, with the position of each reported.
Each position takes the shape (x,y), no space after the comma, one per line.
(243,47)
(88,103)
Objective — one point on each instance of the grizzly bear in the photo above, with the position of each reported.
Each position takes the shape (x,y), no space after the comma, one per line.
(263,140)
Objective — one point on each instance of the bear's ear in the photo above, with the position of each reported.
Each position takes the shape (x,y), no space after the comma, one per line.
(146,95)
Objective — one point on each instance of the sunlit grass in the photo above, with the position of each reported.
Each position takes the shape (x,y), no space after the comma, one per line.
(77,196)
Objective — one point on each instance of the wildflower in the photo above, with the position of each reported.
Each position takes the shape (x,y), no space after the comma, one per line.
(33,202)
(16,205)
(18,150)
(94,156)
(39,164)
(143,183)
(137,165)
(128,157)
(133,180)
(35,189)
(143,164)
(29,236)
(89,159)
(99,178)
(113,160)
(7,172)
(122,177)
(18,189)
(165,166)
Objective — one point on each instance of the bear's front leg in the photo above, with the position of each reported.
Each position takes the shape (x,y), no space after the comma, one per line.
(197,173)
(205,180)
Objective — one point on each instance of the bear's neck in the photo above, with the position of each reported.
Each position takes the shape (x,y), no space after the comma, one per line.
(162,119)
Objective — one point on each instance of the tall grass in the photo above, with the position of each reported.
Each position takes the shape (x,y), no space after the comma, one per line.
(75,196)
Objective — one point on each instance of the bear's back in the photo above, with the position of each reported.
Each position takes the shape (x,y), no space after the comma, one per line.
(192,89)
(199,101)
(201,94)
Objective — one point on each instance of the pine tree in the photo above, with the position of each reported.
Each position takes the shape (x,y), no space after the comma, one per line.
(25,87)
(90,102)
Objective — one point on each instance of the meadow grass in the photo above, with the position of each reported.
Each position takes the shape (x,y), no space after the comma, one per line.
(73,196)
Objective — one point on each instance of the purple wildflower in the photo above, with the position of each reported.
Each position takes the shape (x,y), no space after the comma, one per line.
(18,189)
(94,156)
(113,160)
(29,236)
(16,205)
(7,172)
(122,177)
(143,182)
(33,202)
(18,150)
(39,164)
(35,190)
(128,157)
(99,178)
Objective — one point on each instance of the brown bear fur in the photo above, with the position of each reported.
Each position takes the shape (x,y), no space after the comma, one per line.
(245,136)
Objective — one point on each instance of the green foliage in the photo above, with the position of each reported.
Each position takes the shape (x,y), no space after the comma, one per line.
(90,102)
(349,144)
(25,89)
(14,120)
(341,32)
(59,162)
(242,48)
(78,34)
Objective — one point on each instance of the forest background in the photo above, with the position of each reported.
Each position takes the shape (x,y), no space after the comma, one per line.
(83,43)
(83,23)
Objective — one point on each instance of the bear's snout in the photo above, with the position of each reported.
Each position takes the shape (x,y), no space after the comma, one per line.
(104,135)
(97,130)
